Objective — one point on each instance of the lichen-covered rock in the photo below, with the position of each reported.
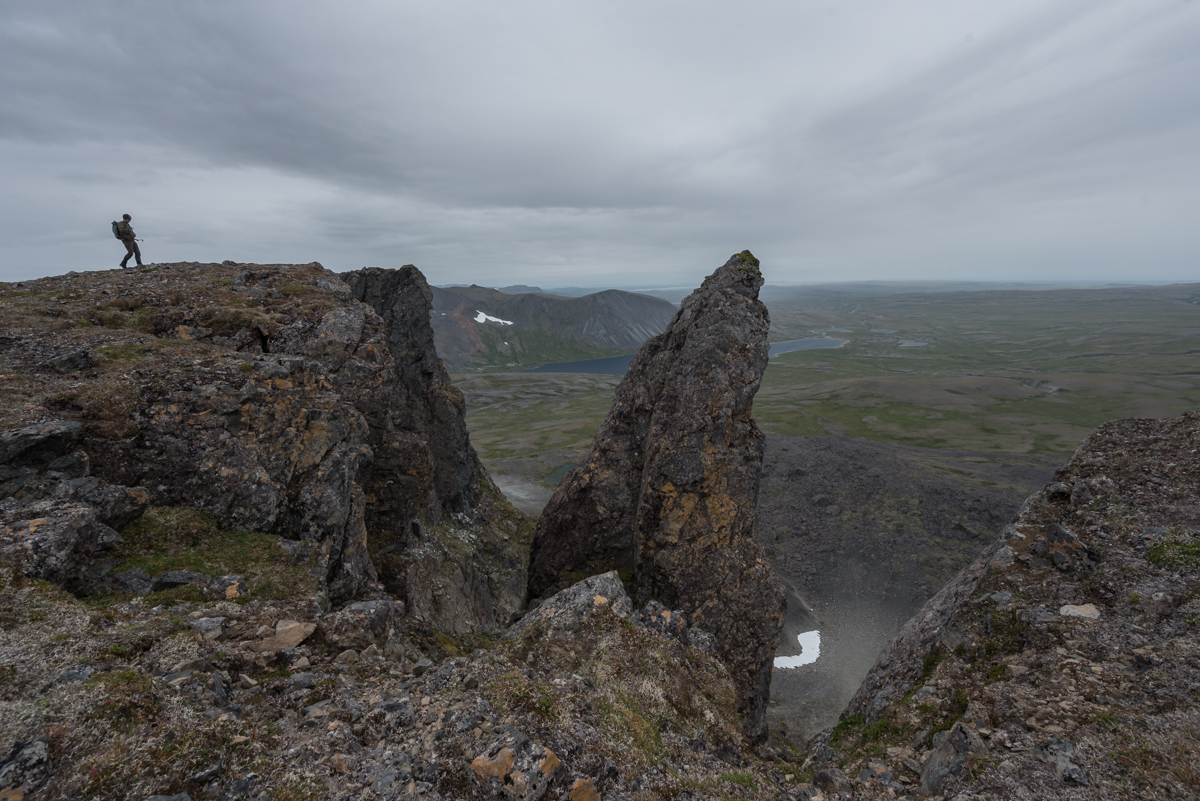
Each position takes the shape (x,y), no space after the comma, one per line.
(57,520)
(267,455)
(949,757)
(671,481)
(657,617)
(565,609)
(24,769)
(38,444)
(516,768)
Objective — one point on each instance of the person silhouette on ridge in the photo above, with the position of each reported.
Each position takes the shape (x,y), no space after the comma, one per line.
(125,232)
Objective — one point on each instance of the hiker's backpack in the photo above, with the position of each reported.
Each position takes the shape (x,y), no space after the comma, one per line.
(116,231)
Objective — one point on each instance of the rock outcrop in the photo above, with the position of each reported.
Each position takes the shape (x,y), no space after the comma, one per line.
(284,399)
(670,484)
(58,522)
(1066,655)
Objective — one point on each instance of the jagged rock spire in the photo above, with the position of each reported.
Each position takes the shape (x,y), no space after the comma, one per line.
(670,484)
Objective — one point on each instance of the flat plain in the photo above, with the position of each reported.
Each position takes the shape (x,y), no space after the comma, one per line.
(1001,371)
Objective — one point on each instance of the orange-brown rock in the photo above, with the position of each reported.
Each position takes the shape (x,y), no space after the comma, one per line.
(671,481)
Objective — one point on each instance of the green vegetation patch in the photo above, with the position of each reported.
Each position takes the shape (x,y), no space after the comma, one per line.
(1006,634)
(1176,550)
(173,538)
(744,779)
(126,352)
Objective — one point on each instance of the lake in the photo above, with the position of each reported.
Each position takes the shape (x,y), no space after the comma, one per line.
(619,365)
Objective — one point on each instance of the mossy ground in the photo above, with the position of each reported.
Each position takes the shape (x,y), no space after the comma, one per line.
(171,538)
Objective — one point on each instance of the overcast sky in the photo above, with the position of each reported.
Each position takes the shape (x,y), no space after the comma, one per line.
(608,143)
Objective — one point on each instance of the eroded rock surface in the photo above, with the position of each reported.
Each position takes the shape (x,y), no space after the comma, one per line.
(671,481)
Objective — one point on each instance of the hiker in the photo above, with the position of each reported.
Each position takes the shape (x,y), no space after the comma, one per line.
(126,235)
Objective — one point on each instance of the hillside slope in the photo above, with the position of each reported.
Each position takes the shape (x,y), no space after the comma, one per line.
(1064,661)
(534,328)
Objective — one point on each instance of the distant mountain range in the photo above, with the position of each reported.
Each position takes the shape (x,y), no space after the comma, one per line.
(476,325)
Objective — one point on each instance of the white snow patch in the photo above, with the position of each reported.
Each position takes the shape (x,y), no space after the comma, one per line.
(480,317)
(810,649)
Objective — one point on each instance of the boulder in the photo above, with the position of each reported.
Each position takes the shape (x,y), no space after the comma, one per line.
(671,481)
(210,628)
(178,578)
(515,768)
(833,781)
(949,757)
(565,609)
(135,581)
(360,625)
(39,444)
(117,506)
(72,361)
(55,540)
(288,634)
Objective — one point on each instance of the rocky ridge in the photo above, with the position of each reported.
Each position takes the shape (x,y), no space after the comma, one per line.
(670,483)
(291,450)
(1063,662)
(273,398)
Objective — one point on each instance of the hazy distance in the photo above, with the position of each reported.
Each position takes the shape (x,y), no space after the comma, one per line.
(608,144)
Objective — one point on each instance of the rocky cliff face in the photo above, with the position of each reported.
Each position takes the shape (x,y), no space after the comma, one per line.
(670,484)
(281,399)
(1063,662)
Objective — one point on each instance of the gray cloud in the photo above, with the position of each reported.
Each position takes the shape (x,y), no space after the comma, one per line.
(620,142)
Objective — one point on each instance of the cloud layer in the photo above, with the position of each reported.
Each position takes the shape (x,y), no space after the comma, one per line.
(614,143)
